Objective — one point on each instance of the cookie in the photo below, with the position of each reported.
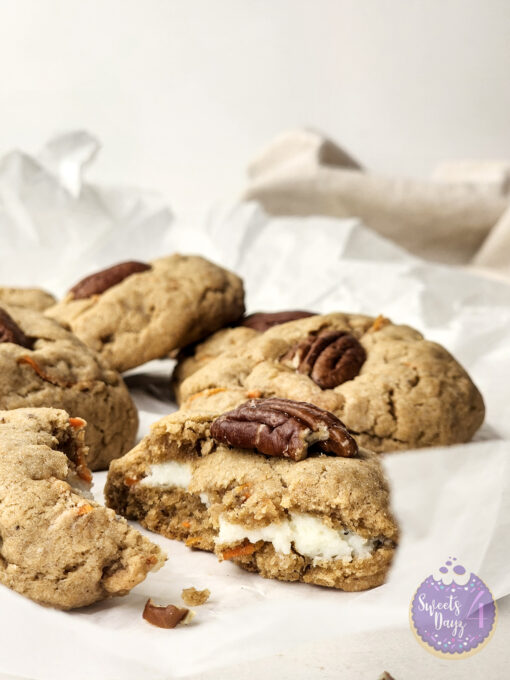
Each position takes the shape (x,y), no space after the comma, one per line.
(196,356)
(134,312)
(32,298)
(42,364)
(58,546)
(392,388)
(299,502)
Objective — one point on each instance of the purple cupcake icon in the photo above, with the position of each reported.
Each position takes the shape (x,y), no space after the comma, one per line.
(453,613)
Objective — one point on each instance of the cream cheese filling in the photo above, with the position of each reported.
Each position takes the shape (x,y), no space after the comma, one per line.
(169,473)
(308,535)
(172,473)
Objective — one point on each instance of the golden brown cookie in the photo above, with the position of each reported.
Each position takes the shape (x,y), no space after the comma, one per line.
(59,547)
(31,298)
(42,364)
(324,519)
(392,388)
(196,356)
(134,312)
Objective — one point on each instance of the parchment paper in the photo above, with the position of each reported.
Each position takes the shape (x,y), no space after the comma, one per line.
(450,502)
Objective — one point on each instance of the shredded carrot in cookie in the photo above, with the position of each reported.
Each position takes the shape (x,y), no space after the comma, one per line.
(206,393)
(186,525)
(254,394)
(379,323)
(130,481)
(83,472)
(193,540)
(239,551)
(77,423)
(244,489)
(25,359)
(84,509)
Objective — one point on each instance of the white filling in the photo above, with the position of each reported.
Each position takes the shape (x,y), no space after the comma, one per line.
(204,498)
(169,473)
(172,473)
(308,534)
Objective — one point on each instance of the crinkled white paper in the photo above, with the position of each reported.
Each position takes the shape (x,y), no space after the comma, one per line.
(55,228)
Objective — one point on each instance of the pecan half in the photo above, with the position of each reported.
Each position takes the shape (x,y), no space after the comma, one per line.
(329,358)
(261,321)
(164,617)
(283,428)
(11,332)
(100,281)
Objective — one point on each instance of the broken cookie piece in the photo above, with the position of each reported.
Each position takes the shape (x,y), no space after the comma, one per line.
(57,546)
(323,520)
(193,597)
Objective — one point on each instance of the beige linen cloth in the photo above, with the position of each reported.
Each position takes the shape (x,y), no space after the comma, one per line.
(460,216)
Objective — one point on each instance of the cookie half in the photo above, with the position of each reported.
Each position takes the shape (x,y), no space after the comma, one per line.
(134,312)
(44,365)
(393,389)
(323,519)
(58,546)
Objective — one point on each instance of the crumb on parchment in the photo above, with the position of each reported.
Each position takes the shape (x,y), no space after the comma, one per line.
(193,597)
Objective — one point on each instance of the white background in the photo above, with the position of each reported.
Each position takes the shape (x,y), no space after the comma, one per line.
(183,93)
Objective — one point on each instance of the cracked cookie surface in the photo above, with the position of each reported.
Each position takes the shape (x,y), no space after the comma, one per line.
(57,546)
(185,485)
(196,356)
(59,371)
(409,392)
(177,301)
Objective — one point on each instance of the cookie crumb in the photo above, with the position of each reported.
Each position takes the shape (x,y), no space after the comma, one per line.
(386,676)
(193,597)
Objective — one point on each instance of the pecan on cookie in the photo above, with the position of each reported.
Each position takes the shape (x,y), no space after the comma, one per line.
(135,312)
(330,358)
(97,283)
(261,321)
(11,332)
(283,428)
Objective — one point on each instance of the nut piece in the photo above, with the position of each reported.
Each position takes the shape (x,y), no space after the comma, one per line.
(165,617)
(261,321)
(11,332)
(100,281)
(283,428)
(193,597)
(329,358)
